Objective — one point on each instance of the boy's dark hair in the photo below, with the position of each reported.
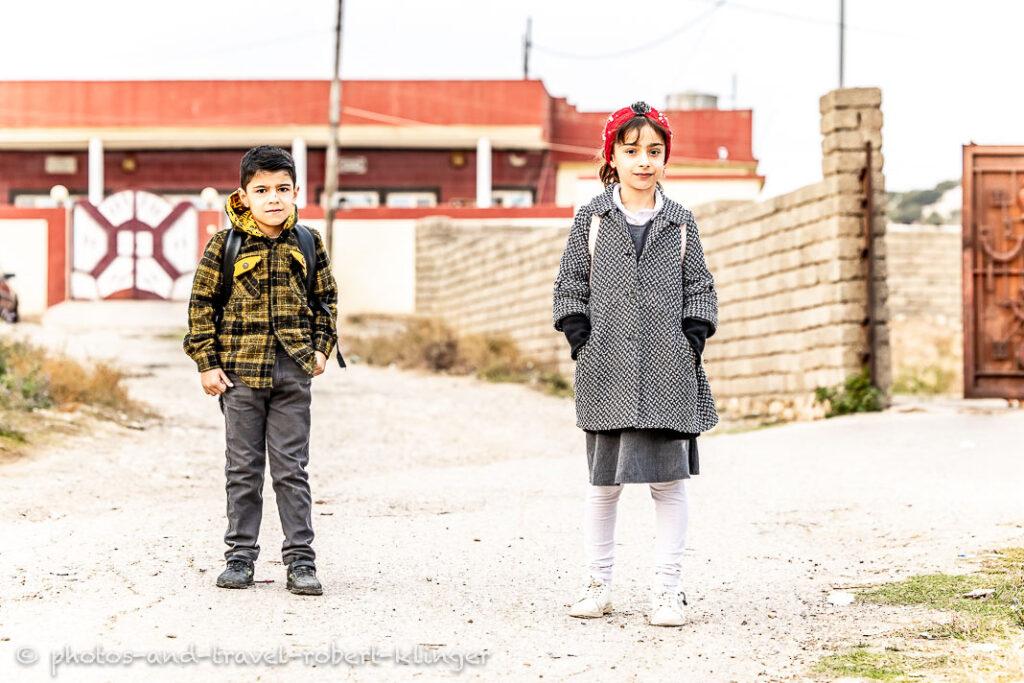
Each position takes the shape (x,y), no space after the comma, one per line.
(608,174)
(265,158)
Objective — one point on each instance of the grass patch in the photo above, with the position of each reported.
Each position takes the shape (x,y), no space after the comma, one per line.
(429,344)
(866,663)
(33,378)
(951,649)
(928,379)
(12,435)
(980,618)
(966,627)
(888,664)
(177,335)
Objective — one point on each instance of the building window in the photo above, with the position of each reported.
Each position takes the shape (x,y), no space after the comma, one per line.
(193,199)
(40,200)
(356,199)
(411,200)
(512,198)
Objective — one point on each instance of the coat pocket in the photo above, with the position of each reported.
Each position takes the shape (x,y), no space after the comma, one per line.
(583,349)
(689,354)
(247,276)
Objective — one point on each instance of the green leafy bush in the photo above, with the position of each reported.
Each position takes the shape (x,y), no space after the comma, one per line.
(856,395)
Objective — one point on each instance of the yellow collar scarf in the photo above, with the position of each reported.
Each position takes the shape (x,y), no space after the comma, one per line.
(241,217)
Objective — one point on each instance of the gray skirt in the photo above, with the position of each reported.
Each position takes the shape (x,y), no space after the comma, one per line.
(640,456)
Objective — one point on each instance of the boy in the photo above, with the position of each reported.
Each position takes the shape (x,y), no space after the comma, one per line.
(272,337)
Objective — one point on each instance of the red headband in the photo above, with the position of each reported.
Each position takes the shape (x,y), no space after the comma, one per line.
(615,121)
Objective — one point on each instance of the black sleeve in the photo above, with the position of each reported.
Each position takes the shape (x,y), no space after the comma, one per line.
(697,331)
(576,327)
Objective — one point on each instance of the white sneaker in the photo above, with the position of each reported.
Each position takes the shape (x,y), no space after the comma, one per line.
(667,607)
(595,600)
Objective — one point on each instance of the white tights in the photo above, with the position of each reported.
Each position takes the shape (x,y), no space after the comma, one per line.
(670,517)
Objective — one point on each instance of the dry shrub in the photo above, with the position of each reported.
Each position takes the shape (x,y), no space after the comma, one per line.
(493,358)
(421,344)
(73,383)
(36,378)
(429,344)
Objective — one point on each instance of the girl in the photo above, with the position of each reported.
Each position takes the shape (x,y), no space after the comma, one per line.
(636,302)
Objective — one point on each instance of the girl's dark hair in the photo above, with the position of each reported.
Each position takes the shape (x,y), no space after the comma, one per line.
(265,158)
(608,174)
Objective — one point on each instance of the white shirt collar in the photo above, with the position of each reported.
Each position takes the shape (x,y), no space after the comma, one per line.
(643,215)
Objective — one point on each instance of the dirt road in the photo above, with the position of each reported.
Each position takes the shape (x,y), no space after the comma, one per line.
(448,524)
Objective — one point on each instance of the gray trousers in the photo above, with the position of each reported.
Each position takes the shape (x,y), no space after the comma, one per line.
(269,422)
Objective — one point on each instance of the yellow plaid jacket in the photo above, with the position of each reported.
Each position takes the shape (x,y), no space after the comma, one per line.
(268,301)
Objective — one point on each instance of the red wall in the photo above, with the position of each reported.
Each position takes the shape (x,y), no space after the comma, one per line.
(103,104)
(57,241)
(188,171)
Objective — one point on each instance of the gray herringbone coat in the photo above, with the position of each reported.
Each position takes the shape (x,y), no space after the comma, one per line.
(637,369)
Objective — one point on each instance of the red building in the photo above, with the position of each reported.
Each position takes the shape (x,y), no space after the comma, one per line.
(403,143)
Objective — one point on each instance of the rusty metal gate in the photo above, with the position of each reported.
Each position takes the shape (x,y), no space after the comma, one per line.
(993,271)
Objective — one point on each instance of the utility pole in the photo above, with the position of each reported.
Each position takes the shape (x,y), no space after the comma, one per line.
(842,37)
(527,44)
(334,119)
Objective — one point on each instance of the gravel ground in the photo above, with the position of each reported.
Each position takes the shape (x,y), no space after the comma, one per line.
(448,519)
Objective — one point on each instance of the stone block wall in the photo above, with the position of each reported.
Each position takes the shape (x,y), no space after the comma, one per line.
(494,279)
(926,305)
(790,273)
(792,277)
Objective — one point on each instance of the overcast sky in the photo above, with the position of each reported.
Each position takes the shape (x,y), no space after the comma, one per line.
(948,71)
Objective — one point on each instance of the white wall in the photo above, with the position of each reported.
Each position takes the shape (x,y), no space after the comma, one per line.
(576,188)
(375,265)
(23,251)
(690,193)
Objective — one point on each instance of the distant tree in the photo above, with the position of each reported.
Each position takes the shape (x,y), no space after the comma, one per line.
(906,207)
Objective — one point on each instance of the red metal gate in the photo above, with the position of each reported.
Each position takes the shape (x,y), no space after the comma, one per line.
(993,271)
(134,245)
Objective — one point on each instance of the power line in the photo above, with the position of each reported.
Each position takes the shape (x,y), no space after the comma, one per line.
(639,48)
(806,19)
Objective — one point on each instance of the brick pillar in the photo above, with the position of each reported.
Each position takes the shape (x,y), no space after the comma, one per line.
(850,118)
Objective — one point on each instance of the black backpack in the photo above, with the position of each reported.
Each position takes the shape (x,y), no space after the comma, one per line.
(307,245)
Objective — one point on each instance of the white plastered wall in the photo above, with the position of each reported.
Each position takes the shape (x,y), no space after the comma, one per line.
(375,265)
(24,246)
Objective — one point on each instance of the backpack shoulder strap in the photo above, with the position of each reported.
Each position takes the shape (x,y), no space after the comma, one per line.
(682,242)
(595,228)
(307,245)
(232,245)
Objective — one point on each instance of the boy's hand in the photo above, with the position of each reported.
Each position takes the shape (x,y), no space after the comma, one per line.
(215,382)
(321,363)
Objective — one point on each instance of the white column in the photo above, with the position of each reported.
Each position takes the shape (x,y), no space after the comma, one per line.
(483,173)
(95,171)
(299,154)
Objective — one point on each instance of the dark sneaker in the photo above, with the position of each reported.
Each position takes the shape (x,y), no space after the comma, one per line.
(302,578)
(237,575)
